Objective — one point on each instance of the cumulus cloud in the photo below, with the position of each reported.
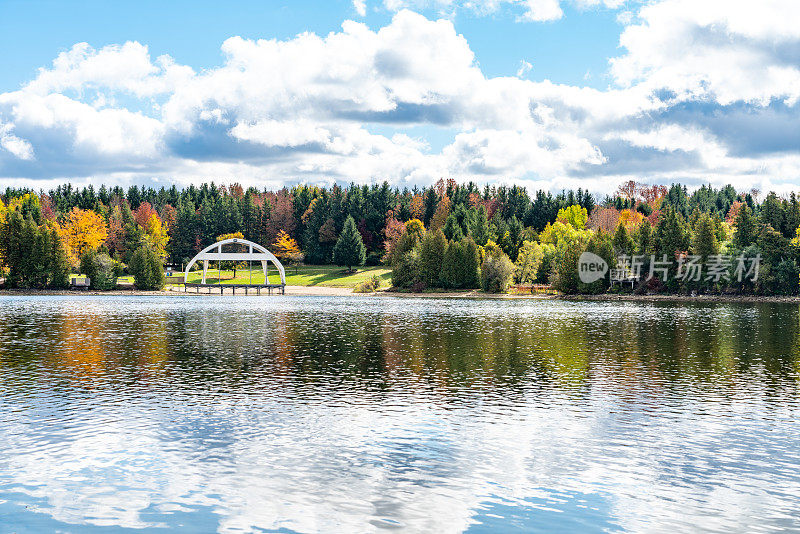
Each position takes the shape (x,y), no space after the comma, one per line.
(722,108)
(360,6)
(722,50)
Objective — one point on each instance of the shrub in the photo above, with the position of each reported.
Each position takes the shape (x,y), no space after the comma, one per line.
(147,270)
(101,270)
(496,273)
(405,270)
(418,287)
(368,286)
(374,259)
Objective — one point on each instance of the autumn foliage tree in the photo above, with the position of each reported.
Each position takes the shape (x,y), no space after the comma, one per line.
(286,248)
(82,231)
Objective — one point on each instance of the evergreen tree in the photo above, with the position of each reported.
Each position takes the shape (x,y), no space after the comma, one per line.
(147,269)
(460,266)
(432,251)
(480,227)
(602,245)
(746,230)
(644,238)
(772,213)
(59,266)
(671,234)
(452,230)
(704,241)
(515,237)
(349,250)
(622,242)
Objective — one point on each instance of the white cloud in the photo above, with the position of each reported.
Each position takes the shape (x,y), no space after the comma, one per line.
(126,67)
(541,10)
(360,6)
(18,147)
(524,68)
(722,108)
(725,50)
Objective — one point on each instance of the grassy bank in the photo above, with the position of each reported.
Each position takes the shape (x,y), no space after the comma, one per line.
(305,275)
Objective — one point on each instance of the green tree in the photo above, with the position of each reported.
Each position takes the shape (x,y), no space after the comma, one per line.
(515,237)
(623,242)
(671,237)
(460,267)
(772,212)
(746,229)
(704,241)
(349,250)
(497,272)
(406,269)
(452,230)
(528,261)
(100,269)
(147,269)
(602,245)
(60,267)
(431,256)
(565,276)
(480,227)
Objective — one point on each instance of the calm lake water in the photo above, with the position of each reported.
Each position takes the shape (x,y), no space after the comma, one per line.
(286,414)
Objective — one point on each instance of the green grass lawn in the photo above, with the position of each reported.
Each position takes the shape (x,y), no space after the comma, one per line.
(306,275)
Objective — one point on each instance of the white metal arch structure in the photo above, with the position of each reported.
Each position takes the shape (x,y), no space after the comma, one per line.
(263,255)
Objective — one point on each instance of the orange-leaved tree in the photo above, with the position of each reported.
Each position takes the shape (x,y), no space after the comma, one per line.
(82,231)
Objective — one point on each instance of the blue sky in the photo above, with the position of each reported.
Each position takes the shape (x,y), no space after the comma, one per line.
(550,93)
(563,51)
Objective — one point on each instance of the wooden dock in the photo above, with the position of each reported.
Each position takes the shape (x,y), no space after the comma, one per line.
(246,287)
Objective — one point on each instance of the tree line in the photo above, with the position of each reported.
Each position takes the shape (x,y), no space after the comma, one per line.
(447,235)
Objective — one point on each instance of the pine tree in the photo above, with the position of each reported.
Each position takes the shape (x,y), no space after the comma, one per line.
(671,234)
(480,227)
(704,242)
(349,250)
(59,265)
(622,242)
(745,223)
(772,212)
(452,230)
(147,269)
(432,251)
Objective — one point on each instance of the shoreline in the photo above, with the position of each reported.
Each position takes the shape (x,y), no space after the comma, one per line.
(323,291)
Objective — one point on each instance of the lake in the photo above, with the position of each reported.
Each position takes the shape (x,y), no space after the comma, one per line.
(367,414)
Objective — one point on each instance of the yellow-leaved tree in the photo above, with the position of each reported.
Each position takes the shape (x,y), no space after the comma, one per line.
(287,249)
(573,215)
(156,234)
(83,230)
(631,219)
(2,233)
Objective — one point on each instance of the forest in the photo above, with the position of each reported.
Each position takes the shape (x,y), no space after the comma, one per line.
(447,235)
